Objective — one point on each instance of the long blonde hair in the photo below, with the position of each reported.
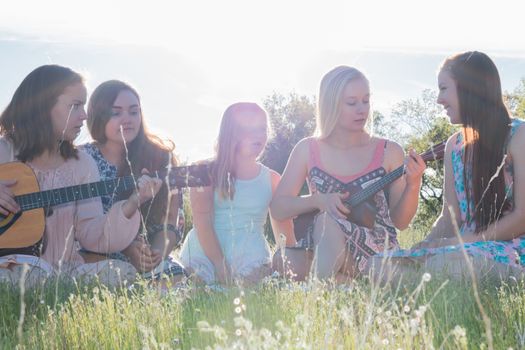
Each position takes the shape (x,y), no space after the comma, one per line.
(330,92)
(223,175)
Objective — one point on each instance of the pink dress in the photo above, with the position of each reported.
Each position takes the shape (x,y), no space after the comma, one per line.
(362,242)
(80,222)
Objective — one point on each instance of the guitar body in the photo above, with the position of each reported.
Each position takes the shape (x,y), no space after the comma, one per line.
(361,202)
(362,215)
(26,228)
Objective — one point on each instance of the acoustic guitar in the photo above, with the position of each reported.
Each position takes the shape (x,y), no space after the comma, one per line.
(360,200)
(25,228)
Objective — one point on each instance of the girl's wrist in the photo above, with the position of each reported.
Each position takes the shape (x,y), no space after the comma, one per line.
(316,200)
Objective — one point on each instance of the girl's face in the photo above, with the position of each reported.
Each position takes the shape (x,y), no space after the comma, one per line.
(252,133)
(354,106)
(125,112)
(68,113)
(448,96)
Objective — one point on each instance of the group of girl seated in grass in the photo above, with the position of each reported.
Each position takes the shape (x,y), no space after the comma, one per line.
(114,237)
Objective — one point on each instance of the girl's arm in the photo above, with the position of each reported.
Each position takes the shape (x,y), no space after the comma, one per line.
(281,227)
(166,240)
(146,257)
(511,225)
(201,201)
(147,188)
(444,226)
(286,204)
(95,231)
(7,200)
(404,192)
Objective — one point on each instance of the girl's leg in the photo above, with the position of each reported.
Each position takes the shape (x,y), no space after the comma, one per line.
(348,270)
(392,271)
(455,266)
(256,275)
(293,263)
(164,242)
(330,248)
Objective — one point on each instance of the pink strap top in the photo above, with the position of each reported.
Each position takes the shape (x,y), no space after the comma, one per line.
(315,160)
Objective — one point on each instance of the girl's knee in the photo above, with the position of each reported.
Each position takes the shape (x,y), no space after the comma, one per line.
(326,228)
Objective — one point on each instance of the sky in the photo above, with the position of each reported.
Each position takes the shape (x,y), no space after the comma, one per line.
(190,60)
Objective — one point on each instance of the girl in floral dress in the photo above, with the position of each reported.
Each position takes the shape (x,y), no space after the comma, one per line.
(123,145)
(484,189)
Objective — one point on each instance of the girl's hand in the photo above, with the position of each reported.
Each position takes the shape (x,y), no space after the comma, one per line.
(223,273)
(147,188)
(414,168)
(7,198)
(332,203)
(141,256)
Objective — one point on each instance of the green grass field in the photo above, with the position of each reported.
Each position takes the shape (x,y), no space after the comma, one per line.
(275,315)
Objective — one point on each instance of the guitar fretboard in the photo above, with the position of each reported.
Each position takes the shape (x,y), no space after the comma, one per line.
(363,195)
(435,153)
(182,176)
(62,195)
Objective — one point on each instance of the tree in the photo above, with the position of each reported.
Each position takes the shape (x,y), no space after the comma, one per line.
(431,195)
(515,100)
(419,124)
(292,118)
(410,117)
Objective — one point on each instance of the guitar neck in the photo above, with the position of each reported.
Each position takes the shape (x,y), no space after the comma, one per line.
(377,186)
(182,176)
(434,153)
(63,195)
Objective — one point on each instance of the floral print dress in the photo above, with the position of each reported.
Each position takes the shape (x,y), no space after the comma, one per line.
(510,252)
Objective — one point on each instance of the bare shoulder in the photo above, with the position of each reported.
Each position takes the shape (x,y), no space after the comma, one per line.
(452,140)
(393,148)
(517,142)
(394,155)
(302,148)
(449,145)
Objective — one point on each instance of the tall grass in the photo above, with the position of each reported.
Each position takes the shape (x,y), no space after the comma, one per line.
(277,315)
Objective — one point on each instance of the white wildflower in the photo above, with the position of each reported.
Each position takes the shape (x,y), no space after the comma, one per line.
(426,277)
(459,332)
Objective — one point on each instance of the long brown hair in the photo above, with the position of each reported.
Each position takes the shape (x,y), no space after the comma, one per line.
(26,121)
(486,124)
(223,174)
(145,151)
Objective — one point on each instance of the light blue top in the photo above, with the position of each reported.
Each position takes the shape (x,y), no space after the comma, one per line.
(239,226)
